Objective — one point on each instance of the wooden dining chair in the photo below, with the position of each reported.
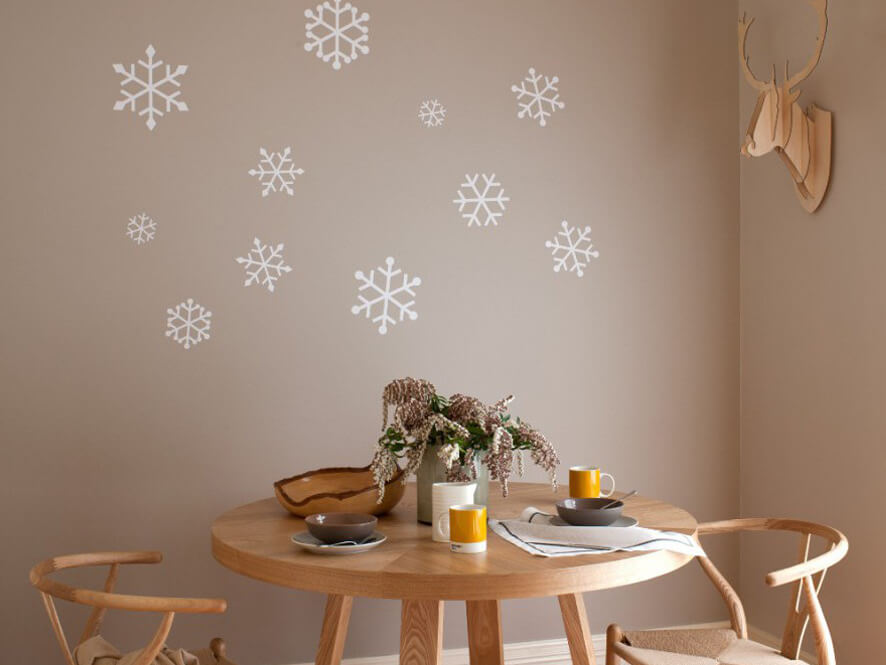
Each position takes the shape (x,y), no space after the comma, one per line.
(731,646)
(101,601)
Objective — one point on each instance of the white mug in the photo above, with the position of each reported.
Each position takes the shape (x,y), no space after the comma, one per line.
(444,495)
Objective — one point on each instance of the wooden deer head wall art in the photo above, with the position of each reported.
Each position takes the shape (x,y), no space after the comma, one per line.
(801,138)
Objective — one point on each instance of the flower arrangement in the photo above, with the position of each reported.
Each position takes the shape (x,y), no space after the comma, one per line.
(466,429)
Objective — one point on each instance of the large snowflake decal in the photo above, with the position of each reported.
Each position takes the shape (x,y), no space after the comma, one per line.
(389,296)
(276,170)
(157,89)
(261,269)
(338,24)
(572,252)
(431,113)
(188,323)
(141,228)
(484,203)
(540,100)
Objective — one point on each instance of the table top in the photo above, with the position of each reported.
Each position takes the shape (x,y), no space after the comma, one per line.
(254,540)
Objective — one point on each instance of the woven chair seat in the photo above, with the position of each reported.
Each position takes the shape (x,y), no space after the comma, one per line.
(703,642)
(653,657)
(712,646)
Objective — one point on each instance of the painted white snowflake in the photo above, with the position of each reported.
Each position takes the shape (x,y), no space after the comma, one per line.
(188,323)
(431,113)
(141,228)
(276,171)
(572,249)
(484,202)
(537,101)
(156,89)
(387,296)
(261,269)
(338,22)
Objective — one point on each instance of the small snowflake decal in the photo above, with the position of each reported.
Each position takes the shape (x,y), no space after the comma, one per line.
(261,269)
(387,295)
(188,323)
(484,203)
(337,22)
(141,228)
(431,113)
(572,253)
(541,101)
(162,90)
(276,171)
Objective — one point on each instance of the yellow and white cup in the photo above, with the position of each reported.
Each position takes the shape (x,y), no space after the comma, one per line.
(584,482)
(467,528)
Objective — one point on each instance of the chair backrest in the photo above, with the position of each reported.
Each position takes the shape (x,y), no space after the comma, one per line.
(101,601)
(807,575)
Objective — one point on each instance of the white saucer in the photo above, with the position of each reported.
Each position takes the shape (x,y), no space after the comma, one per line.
(622,521)
(306,541)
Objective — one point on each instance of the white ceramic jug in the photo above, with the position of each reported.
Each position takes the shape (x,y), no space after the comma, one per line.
(444,495)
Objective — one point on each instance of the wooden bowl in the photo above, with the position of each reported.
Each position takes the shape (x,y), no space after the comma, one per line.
(338,489)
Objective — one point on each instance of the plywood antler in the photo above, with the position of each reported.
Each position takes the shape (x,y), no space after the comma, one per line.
(743,26)
(821,8)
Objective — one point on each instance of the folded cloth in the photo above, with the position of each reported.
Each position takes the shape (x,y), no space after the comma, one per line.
(98,651)
(543,534)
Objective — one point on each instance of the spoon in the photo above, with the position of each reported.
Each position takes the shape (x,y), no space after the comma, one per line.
(615,501)
(349,543)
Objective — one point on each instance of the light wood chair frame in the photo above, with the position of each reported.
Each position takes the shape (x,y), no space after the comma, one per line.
(101,601)
(807,576)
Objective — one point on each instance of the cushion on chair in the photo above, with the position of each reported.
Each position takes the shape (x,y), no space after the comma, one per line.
(98,651)
(698,647)
(705,642)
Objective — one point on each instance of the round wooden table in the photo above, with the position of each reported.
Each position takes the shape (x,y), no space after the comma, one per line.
(254,540)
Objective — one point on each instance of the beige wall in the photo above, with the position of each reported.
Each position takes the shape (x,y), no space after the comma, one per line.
(116,437)
(813,326)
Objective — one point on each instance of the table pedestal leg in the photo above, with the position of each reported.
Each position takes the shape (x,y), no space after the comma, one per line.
(575,620)
(484,632)
(335,628)
(421,632)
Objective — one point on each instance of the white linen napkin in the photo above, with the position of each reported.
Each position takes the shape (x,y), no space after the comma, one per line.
(539,533)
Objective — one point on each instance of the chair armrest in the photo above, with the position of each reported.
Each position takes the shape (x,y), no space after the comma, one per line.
(91,559)
(807,568)
(732,526)
(108,600)
(839,544)
(121,601)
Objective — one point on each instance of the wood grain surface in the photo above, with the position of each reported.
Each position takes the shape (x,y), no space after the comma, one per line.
(254,540)
(421,632)
(484,632)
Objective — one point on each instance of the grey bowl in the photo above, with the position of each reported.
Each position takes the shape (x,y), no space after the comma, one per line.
(338,527)
(589,512)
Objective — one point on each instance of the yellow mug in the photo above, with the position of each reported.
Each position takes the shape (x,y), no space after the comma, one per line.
(467,528)
(584,482)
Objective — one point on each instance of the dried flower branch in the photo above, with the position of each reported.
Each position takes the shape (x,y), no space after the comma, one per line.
(463,427)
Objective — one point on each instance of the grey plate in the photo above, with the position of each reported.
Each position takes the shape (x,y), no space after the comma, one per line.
(306,541)
(622,521)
